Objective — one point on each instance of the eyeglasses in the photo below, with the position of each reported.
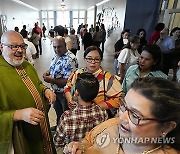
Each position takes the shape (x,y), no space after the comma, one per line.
(16,47)
(91,60)
(135,119)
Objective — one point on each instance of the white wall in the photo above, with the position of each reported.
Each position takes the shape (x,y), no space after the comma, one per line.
(18,15)
(119,7)
(90,17)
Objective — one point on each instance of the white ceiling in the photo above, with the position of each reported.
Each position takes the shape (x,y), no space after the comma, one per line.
(56,4)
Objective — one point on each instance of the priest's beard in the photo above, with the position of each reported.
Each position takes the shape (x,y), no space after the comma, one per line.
(12,61)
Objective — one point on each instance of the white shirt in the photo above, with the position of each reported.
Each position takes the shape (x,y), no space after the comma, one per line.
(31,50)
(68,39)
(128,58)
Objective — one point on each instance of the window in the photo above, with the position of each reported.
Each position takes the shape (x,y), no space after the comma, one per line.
(51,14)
(81,14)
(44,14)
(178,5)
(75,24)
(51,22)
(170,4)
(75,14)
(63,18)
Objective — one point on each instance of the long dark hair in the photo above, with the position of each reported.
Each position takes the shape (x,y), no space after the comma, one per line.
(156,53)
(141,30)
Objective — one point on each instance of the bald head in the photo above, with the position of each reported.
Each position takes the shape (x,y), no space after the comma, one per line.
(13,48)
(11,37)
(59,39)
(165,30)
(164,33)
(59,45)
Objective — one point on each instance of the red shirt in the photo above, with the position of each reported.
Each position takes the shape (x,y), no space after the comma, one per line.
(154,37)
(38,29)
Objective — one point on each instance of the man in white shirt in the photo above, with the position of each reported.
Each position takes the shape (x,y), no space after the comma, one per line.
(31,50)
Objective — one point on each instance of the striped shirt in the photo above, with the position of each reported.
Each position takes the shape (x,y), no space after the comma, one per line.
(110,88)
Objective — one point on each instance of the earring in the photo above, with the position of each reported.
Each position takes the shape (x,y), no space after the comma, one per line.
(164,134)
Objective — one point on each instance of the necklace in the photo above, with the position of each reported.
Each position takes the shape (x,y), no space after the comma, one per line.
(150,151)
(145,152)
(117,150)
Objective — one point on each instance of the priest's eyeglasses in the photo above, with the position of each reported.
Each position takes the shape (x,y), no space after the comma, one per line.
(16,47)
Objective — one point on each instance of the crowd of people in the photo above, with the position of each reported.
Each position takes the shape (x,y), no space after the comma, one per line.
(135,110)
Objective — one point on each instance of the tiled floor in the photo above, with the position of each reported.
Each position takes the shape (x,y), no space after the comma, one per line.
(43,62)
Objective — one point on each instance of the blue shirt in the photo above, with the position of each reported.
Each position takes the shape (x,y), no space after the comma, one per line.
(134,72)
(62,68)
(166,45)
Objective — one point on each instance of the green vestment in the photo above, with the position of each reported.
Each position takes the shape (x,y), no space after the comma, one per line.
(15,95)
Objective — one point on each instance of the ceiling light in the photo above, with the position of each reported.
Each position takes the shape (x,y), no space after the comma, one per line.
(92,7)
(63,4)
(27,5)
(100,3)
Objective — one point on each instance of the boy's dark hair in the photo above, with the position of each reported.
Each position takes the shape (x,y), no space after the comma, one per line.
(59,30)
(87,85)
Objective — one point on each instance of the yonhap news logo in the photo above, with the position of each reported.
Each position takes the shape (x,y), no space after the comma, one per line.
(104,139)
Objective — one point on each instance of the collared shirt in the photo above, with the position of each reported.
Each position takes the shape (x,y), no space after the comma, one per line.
(134,72)
(74,124)
(62,68)
(166,44)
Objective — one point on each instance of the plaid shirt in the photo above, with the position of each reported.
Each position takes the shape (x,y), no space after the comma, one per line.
(74,124)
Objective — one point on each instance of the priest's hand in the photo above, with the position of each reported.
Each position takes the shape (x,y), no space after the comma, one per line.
(51,96)
(30,115)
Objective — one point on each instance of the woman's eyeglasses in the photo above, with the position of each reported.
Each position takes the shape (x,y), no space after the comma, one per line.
(135,119)
(91,60)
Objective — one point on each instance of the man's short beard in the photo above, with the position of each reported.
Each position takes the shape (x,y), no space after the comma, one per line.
(12,61)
